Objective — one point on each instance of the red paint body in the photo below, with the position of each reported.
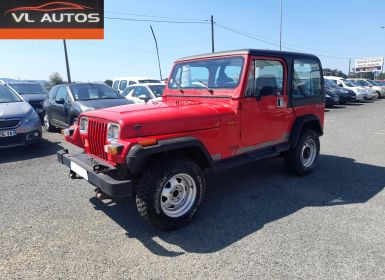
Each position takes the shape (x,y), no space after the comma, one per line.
(227,126)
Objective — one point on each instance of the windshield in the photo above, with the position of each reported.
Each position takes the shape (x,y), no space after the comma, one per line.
(209,73)
(330,84)
(28,88)
(93,92)
(148,81)
(374,83)
(360,83)
(157,89)
(349,83)
(7,95)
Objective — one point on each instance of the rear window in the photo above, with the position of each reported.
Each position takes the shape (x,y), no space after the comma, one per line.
(148,81)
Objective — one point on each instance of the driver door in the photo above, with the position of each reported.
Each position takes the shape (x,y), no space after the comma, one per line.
(266,116)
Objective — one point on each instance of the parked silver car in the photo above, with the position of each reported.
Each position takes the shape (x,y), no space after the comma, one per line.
(19,122)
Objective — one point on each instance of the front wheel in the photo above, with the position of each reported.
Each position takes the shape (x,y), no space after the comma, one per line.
(170,192)
(302,159)
(47,123)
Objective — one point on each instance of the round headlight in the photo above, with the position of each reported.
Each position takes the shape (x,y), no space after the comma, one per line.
(113,132)
(83,125)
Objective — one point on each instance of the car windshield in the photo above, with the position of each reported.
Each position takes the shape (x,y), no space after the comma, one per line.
(157,89)
(374,83)
(148,81)
(93,92)
(361,83)
(28,88)
(209,73)
(8,96)
(330,84)
(349,83)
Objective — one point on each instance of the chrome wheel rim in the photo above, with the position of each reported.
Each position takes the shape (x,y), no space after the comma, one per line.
(178,195)
(46,121)
(309,152)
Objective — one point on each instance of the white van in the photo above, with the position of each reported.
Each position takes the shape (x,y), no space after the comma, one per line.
(120,84)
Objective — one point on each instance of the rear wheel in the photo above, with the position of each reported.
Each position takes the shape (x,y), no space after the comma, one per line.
(302,159)
(170,192)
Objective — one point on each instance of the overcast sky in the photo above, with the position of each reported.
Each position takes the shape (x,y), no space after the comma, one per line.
(333,29)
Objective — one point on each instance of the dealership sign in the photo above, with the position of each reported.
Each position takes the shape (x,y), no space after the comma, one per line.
(369,64)
(39,19)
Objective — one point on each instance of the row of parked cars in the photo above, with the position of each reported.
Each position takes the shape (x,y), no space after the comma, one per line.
(340,90)
(24,105)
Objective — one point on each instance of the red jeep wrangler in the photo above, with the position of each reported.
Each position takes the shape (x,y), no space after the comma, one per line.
(218,110)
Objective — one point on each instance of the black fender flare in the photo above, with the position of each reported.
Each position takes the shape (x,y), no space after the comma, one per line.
(138,155)
(298,125)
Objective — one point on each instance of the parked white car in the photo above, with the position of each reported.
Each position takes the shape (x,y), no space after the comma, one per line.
(341,82)
(370,93)
(144,92)
(120,84)
(378,88)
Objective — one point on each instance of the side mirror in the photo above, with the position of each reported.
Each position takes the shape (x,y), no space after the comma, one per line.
(143,97)
(60,101)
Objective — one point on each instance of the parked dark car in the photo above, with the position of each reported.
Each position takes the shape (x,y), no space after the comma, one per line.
(67,102)
(344,94)
(32,92)
(332,98)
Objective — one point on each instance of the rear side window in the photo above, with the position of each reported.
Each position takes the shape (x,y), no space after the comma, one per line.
(62,93)
(306,79)
(115,85)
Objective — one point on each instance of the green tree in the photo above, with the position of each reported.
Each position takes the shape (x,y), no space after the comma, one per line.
(55,79)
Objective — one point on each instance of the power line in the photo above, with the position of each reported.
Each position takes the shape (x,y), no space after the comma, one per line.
(150,16)
(153,20)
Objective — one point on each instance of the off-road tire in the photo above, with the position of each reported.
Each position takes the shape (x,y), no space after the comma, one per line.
(152,182)
(293,157)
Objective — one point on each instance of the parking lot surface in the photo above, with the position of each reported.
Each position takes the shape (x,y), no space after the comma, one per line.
(256,222)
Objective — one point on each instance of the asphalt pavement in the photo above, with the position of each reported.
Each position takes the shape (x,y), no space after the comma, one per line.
(256,222)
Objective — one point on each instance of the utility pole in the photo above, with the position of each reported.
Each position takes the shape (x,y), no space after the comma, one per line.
(157,52)
(350,63)
(280,30)
(67,64)
(212,34)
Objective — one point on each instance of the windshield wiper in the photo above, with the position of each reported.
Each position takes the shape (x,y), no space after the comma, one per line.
(206,86)
(178,85)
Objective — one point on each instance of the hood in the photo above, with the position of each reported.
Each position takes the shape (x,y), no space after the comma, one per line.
(331,93)
(104,103)
(14,109)
(160,118)
(34,97)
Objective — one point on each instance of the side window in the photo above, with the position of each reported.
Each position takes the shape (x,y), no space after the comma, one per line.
(141,91)
(115,85)
(306,79)
(52,92)
(62,93)
(132,83)
(123,84)
(265,78)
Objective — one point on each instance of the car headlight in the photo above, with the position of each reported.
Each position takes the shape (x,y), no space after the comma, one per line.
(83,125)
(31,116)
(113,132)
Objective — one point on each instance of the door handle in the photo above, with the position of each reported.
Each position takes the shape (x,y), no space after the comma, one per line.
(280,102)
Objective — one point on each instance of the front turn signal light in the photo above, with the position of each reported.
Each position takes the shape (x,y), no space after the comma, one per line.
(148,142)
(113,149)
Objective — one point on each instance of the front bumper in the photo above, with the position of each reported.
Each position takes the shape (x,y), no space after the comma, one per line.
(25,135)
(98,174)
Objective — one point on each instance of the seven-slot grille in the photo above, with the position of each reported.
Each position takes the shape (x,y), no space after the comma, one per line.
(9,123)
(97,137)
